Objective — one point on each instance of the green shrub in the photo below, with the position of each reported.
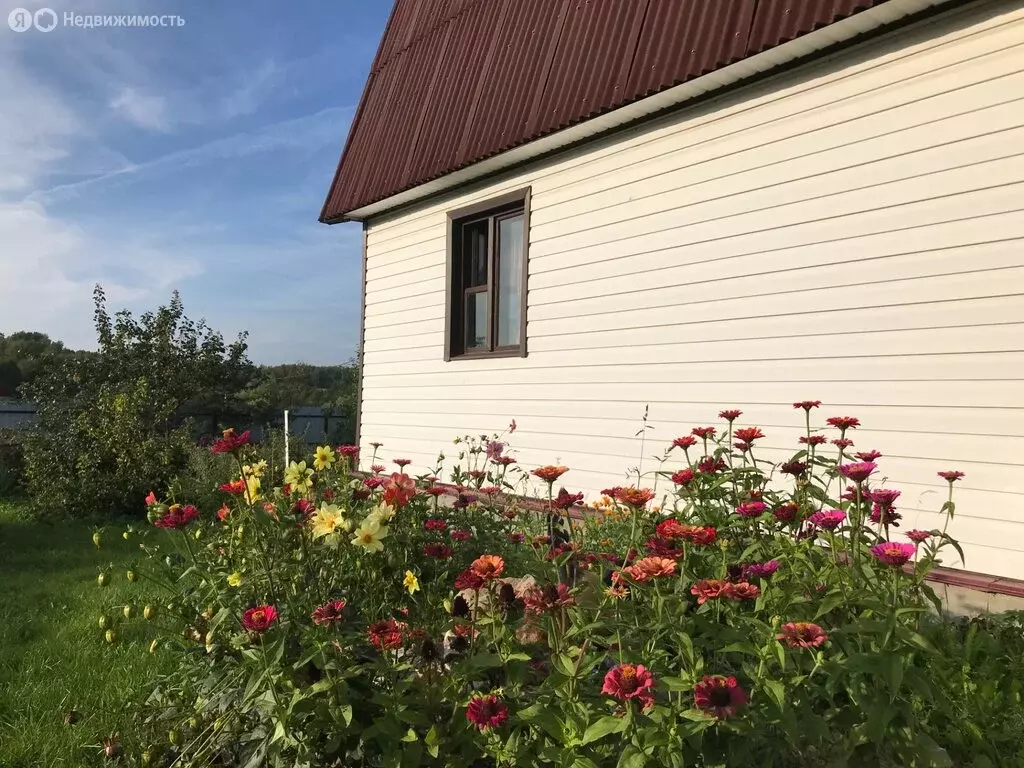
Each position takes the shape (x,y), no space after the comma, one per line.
(12,463)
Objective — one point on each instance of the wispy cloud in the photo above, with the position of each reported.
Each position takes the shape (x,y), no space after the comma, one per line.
(145,111)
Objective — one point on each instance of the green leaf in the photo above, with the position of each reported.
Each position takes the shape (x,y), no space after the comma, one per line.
(747,648)
(674,684)
(956,545)
(603,727)
(829,604)
(891,667)
(584,762)
(632,758)
(777,692)
(564,664)
(410,735)
(484,661)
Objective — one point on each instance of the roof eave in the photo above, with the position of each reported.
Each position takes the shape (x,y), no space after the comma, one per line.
(794,50)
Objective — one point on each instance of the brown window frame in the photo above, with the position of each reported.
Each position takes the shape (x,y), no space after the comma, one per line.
(492,211)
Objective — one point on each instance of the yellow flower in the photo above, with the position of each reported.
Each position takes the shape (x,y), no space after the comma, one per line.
(327,520)
(410,582)
(299,477)
(383,513)
(252,488)
(369,535)
(255,470)
(324,458)
(235,579)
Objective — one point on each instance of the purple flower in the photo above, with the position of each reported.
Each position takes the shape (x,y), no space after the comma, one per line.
(829,519)
(761,570)
(494,450)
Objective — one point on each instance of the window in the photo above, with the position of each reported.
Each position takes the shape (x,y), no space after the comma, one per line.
(487,251)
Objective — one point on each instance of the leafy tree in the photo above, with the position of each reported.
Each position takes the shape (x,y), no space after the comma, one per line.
(113,424)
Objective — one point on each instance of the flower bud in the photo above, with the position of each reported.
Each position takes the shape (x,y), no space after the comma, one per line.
(97,539)
(104,621)
(132,576)
(102,579)
(110,636)
(128,611)
(174,737)
(149,612)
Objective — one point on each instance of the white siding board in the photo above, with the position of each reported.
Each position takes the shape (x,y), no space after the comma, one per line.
(852,231)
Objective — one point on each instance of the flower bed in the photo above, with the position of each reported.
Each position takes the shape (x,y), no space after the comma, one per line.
(720,611)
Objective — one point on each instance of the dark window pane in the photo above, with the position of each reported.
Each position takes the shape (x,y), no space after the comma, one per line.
(474,254)
(476,320)
(510,279)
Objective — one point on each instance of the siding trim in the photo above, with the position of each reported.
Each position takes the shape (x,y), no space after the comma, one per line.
(362,337)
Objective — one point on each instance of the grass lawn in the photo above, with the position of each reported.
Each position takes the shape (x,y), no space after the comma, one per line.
(53,657)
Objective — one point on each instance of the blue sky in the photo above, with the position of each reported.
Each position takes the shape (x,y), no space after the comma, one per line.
(193,157)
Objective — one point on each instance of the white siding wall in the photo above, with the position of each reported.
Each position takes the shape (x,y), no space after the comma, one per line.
(851,232)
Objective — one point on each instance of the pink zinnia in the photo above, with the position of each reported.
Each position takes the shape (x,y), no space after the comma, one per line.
(177,516)
(542,600)
(329,613)
(486,712)
(868,455)
(951,475)
(883,496)
(842,443)
(741,590)
(403,462)
(761,570)
(709,465)
(377,468)
(628,681)
(751,509)
(802,634)
(918,536)
(259,619)
(461,535)
(349,451)
(807,404)
(670,529)
(829,519)
(893,553)
(785,513)
(719,696)
(859,471)
(708,589)
(843,423)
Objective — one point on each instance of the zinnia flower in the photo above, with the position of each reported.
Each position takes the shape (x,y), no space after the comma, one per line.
(802,634)
(410,582)
(435,524)
(703,433)
(235,487)
(710,465)
(177,516)
(751,509)
(918,536)
(761,570)
(748,435)
(323,458)
(329,613)
(701,535)
(842,443)
(386,634)
(469,579)
(829,519)
(883,496)
(377,468)
(741,590)
(629,681)
(634,497)
(684,442)
(813,439)
(486,712)
(437,551)
(871,455)
(549,473)
(224,512)
(708,589)
(794,468)
(951,475)
(807,404)
(730,416)
(565,500)
(542,600)
(719,696)
(488,567)
(651,568)
(369,535)
(299,477)
(259,619)
(662,548)
(403,462)
(785,513)
(859,471)
(461,535)
(229,442)
(683,477)
(843,423)
(893,553)
(350,452)
(670,529)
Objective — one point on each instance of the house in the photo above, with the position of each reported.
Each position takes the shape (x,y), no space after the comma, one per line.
(577,209)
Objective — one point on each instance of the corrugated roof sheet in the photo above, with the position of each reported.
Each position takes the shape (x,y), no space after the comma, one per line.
(457,81)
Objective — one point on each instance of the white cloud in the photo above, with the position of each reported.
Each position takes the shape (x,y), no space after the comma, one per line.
(149,112)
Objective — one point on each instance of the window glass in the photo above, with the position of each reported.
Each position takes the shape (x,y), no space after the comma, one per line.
(510,279)
(474,250)
(476,320)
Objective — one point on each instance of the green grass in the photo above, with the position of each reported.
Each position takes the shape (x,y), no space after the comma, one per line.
(53,657)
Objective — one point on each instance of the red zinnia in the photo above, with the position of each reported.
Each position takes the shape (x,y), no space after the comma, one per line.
(893,553)
(858,472)
(486,712)
(807,404)
(349,451)
(703,432)
(259,619)
(437,551)
(373,482)
(229,442)
(386,634)
(883,496)
(377,468)
(701,535)
(505,460)
(628,681)
(951,475)
(634,497)
(223,513)
(751,509)
(918,536)
(730,416)
(461,535)
(493,490)
(802,634)
(329,613)
(566,500)
(435,524)
(709,465)
(719,696)
(663,548)
(741,590)
(868,455)
(434,490)
(684,442)
(177,516)
(708,589)
(683,477)
(829,519)
(748,434)
(549,473)
(785,513)
(842,443)
(469,579)
(403,462)
(488,567)
(670,529)
(794,468)
(813,439)
(235,487)
(843,423)
(542,600)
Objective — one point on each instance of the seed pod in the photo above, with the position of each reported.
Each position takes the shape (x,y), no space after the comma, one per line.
(97,539)
(193,723)
(104,621)
(102,579)
(126,535)
(174,737)
(132,576)
(153,646)
(128,611)
(149,612)
(146,758)
(110,636)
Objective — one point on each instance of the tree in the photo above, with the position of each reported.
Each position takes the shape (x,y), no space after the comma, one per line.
(113,424)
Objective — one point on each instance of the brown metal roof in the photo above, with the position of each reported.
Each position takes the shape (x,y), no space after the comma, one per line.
(457,81)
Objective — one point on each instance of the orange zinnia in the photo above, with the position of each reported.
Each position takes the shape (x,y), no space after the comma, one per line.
(634,497)
(488,567)
(549,473)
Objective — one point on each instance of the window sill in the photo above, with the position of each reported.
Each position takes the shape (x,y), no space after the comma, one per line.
(516,352)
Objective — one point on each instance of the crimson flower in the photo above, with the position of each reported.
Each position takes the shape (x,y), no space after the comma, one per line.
(486,712)
(761,570)
(350,452)
(719,696)
(259,619)
(469,579)
(842,443)
(488,567)
(402,463)
(703,433)
(701,535)
(493,490)
(628,681)
(565,500)
(177,516)
(373,482)
(670,529)
(893,553)
(437,551)
(544,600)
(918,536)
(807,404)
(951,475)
(883,496)
(859,471)
(329,613)
(684,442)
(802,634)
(549,473)
(829,519)
(730,416)
(386,634)
(683,477)
(229,442)
(751,509)
(505,460)
(377,468)
(794,468)
(461,535)
(235,487)
(663,548)
(843,423)
(813,439)
(785,513)
(434,490)
(748,435)
(871,455)
(708,589)
(634,497)
(885,515)
(435,524)
(741,590)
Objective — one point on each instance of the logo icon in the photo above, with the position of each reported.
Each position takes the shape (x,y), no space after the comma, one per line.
(45,20)
(20,20)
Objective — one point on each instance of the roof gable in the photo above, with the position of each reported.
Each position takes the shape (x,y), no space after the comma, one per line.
(457,81)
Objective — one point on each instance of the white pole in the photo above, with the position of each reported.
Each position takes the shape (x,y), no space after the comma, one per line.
(286,439)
